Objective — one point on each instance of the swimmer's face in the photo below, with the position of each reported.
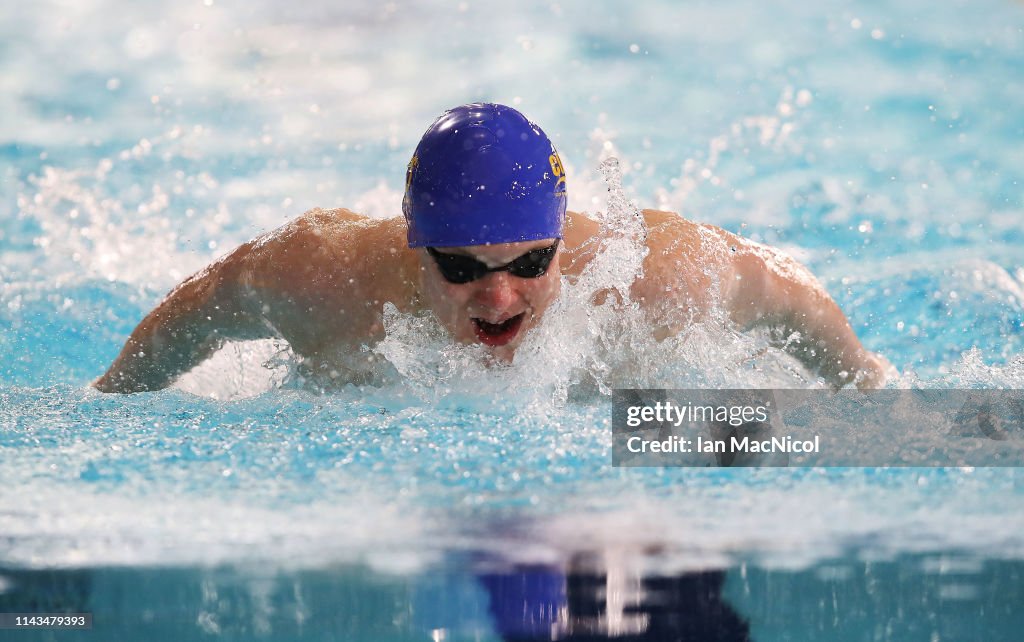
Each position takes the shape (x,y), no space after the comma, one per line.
(497,309)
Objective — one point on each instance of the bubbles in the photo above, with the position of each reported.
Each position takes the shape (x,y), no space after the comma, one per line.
(241,370)
(97,222)
(427,360)
(971,371)
(729,158)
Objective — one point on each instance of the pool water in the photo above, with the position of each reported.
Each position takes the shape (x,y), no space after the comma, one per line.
(880,145)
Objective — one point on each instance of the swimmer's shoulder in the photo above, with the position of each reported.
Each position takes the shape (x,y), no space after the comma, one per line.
(579,242)
(323,277)
(319,224)
(670,231)
(666,232)
(320,245)
(683,270)
(669,235)
(338,232)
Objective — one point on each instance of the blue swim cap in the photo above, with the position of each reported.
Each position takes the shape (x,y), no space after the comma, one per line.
(483,174)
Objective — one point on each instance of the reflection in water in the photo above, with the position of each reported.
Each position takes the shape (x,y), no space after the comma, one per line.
(606,596)
(45,591)
(603,599)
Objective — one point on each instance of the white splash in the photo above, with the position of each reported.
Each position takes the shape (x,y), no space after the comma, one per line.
(594,337)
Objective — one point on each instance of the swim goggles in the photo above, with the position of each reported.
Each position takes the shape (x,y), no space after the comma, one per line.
(458,268)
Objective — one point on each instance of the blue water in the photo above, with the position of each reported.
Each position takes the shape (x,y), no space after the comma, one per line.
(879,144)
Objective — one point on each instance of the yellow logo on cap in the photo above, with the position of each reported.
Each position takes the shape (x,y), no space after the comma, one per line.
(408,173)
(558,171)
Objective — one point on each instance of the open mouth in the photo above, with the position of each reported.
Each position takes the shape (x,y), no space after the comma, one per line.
(498,334)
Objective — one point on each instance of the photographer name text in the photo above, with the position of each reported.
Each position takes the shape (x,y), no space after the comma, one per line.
(734,445)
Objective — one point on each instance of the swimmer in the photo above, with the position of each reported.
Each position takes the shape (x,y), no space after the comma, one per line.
(483,245)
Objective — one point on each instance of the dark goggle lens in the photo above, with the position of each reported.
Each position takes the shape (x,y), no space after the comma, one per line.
(456,268)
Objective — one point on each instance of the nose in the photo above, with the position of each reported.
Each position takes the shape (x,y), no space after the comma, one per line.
(496,291)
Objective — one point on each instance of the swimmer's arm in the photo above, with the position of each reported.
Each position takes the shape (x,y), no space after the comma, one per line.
(769,288)
(188,326)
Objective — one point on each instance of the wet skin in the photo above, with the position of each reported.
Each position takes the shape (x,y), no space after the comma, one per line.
(321,281)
